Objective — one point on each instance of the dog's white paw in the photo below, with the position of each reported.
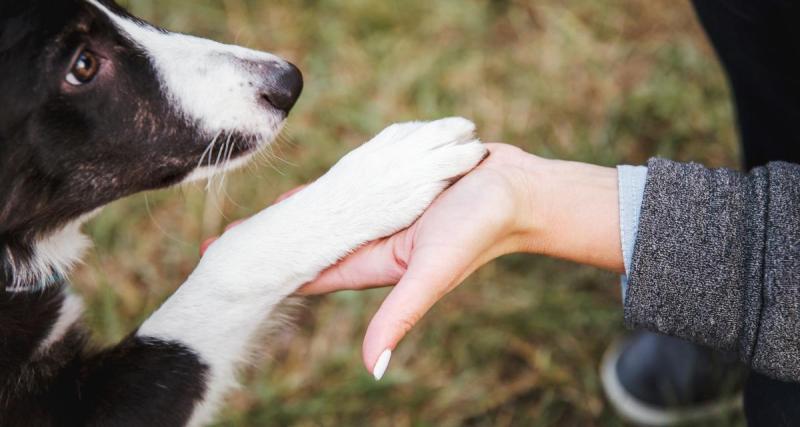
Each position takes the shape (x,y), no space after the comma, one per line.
(385,184)
(374,191)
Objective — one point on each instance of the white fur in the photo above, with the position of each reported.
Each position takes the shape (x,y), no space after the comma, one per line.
(70,312)
(213,84)
(374,191)
(55,253)
(60,250)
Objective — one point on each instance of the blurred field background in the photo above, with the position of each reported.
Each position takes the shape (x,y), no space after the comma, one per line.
(611,81)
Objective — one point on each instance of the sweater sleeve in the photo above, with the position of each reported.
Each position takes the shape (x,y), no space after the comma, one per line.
(717,261)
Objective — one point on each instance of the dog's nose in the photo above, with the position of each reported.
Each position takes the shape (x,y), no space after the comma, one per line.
(283,83)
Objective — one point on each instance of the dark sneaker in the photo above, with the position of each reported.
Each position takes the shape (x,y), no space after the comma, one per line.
(656,380)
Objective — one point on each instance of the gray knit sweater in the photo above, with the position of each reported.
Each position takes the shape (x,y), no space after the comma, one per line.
(717,261)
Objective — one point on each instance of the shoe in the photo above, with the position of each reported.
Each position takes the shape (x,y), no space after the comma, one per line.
(656,380)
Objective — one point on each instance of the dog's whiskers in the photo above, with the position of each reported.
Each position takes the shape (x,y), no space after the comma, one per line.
(225,163)
(209,147)
(215,169)
(161,229)
(265,156)
(222,188)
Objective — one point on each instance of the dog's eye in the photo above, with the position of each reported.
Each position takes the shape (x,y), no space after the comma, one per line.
(84,69)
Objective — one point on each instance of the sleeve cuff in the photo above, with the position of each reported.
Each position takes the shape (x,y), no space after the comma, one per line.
(631,181)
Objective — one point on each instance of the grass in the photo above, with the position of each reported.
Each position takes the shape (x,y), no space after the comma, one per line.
(612,81)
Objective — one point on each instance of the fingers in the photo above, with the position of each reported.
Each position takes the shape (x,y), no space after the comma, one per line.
(378,263)
(429,277)
(206,244)
(234,224)
(290,193)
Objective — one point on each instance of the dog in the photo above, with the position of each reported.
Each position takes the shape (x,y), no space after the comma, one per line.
(95,105)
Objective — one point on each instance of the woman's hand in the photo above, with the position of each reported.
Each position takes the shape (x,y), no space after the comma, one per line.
(512,202)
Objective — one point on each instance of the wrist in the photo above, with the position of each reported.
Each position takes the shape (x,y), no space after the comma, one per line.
(572,212)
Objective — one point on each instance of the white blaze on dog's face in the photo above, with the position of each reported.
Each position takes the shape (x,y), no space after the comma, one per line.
(222,88)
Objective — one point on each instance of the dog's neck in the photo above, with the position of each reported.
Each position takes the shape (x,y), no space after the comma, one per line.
(45,259)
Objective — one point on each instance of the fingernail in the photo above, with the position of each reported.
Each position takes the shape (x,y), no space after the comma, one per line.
(381,364)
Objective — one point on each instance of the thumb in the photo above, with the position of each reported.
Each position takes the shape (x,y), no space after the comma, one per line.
(429,277)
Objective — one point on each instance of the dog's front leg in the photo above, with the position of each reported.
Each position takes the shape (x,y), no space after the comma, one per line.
(374,191)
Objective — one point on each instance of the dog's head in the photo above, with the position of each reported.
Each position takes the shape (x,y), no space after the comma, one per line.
(96,104)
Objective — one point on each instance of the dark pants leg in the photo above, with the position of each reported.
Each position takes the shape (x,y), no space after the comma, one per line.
(758,43)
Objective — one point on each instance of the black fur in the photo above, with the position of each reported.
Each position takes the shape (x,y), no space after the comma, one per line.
(135,383)
(66,151)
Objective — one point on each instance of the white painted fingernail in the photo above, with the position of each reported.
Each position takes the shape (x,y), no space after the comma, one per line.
(382,364)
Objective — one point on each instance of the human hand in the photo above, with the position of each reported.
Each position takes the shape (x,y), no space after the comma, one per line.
(512,202)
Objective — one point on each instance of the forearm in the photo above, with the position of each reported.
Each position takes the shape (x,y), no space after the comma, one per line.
(573,212)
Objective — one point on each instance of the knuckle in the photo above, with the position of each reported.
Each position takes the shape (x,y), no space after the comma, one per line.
(407,322)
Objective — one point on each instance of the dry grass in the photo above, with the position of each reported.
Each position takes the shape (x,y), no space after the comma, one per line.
(603,81)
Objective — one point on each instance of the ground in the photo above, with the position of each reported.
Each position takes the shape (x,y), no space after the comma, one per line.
(608,82)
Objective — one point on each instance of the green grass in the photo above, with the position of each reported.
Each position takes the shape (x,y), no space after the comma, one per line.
(607,82)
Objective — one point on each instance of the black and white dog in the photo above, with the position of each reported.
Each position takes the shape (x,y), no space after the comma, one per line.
(96,105)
